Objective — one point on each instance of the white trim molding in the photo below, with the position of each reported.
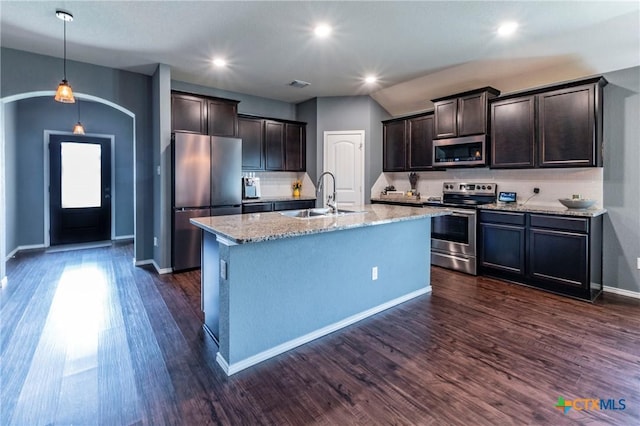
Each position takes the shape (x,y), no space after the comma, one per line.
(621,292)
(27,247)
(152,262)
(123,237)
(231,369)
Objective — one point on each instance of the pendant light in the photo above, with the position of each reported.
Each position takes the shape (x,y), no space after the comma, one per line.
(64,93)
(78,129)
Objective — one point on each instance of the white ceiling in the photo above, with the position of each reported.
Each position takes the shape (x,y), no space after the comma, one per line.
(420,50)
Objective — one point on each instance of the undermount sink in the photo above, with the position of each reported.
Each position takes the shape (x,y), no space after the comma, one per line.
(317,213)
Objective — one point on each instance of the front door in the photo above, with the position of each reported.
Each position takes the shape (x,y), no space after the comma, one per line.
(344,157)
(79,189)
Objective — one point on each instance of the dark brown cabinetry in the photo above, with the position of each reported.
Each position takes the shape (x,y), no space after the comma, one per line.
(275,145)
(408,144)
(503,241)
(250,131)
(203,115)
(271,206)
(557,126)
(463,114)
(513,132)
(555,253)
(188,114)
(222,117)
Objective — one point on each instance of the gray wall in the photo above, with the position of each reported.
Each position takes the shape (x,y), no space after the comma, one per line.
(23,72)
(11,194)
(249,104)
(34,116)
(622,179)
(350,113)
(308,112)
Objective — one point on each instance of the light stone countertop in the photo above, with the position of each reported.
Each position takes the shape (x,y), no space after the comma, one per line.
(256,227)
(532,208)
(560,210)
(275,199)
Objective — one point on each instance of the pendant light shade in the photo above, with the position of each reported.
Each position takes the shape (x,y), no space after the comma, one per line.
(64,93)
(78,129)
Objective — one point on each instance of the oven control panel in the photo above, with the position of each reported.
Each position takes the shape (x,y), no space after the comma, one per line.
(465,188)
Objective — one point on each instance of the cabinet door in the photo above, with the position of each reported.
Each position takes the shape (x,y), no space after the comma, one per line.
(223,118)
(294,145)
(274,145)
(250,131)
(188,114)
(393,146)
(512,133)
(420,140)
(446,118)
(559,258)
(472,114)
(567,134)
(503,247)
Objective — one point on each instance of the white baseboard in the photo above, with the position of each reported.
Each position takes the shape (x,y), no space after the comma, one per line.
(159,270)
(27,247)
(286,346)
(621,292)
(123,237)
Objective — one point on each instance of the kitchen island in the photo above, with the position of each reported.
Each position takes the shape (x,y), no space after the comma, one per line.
(272,282)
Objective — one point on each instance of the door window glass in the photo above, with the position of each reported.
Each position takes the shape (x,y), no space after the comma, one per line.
(81,175)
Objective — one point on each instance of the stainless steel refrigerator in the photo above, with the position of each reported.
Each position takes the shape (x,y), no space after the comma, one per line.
(207,172)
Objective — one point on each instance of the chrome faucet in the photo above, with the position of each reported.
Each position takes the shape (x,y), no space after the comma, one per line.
(331,199)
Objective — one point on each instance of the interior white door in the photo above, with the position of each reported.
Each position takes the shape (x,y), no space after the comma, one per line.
(344,157)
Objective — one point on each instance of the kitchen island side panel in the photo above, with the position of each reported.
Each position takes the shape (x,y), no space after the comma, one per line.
(280,290)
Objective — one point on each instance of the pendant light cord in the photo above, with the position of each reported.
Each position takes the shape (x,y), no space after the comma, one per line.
(65,50)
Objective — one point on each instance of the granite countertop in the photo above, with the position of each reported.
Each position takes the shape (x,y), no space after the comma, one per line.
(255,227)
(559,210)
(533,208)
(274,198)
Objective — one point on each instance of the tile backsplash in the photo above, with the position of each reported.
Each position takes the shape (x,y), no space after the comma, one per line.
(553,183)
(278,184)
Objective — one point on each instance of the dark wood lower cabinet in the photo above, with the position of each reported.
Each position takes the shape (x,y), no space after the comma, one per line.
(562,254)
(271,206)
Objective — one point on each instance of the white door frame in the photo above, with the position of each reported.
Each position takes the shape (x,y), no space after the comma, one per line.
(325,154)
(47,178)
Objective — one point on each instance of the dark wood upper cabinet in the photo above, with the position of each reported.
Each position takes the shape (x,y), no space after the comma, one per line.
(553,126)
(567,130)
(188,114)
(394,146)
(274,145)
(222,117)
(463,114)
(513,133)
(294,147)
(420,143)
(250,130)
(446,118)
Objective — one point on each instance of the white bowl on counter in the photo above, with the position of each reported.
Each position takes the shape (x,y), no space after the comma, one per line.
(580,203)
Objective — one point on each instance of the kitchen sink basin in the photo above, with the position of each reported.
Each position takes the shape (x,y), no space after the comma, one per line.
(318,213)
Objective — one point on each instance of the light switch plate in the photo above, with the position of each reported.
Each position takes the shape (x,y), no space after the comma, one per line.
(639,263)
(223,269)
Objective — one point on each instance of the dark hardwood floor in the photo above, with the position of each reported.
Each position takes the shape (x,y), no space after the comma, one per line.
(88,339)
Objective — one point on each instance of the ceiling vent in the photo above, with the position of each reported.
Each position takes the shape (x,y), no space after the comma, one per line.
(299,84)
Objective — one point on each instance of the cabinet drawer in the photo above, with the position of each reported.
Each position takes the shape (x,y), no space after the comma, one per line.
(503,217)
(293,205)
(561,223)
(257,207)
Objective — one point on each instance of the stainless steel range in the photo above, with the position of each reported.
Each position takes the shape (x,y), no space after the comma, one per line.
(453,237)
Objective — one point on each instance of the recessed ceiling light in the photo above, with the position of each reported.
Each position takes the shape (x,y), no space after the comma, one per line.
(219,62)
(322,30)
(507,28)
(370,79)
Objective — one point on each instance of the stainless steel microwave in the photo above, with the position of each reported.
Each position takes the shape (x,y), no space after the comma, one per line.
(463,151)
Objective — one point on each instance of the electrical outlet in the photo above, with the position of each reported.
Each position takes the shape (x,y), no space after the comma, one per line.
(155,241)
(223,269)
(374,273)
(638,263)
(158,170)
(536,190)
